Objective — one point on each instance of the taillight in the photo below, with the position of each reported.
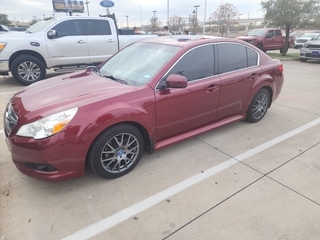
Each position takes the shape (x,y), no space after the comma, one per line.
(280,67)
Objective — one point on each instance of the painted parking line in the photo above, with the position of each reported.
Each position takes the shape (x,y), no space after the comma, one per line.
(111,221)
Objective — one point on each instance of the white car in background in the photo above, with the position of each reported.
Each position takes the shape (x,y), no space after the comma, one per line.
(298,42)
(310,50)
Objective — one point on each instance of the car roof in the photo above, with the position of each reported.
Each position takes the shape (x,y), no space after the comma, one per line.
(189,40)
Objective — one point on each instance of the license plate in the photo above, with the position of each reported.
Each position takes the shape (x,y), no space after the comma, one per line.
(315,52)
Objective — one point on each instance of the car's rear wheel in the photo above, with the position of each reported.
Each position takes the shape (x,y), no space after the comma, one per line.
(28,69)
(303,60)
(258,106)
(116,151)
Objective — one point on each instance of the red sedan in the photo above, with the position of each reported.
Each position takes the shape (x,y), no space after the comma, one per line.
(151,94)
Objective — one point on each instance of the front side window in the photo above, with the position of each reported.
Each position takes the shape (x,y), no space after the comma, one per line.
(196,64)
(69,28)
(97,27)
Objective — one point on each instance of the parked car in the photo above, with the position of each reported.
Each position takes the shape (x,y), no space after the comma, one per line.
(310,50)
(265,39)
(298,43)
(71,42)
(152,94)
(4,28)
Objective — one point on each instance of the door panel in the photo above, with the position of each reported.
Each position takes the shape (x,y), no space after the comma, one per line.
(181,110)
(70,45)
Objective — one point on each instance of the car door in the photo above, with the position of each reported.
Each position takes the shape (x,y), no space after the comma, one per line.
(69,47)
(269,40)
(238,69)
(181,110)
(278,39)
(102,44)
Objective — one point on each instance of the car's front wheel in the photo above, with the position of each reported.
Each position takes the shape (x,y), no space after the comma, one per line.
(259,106)
(116,151)
(28,69)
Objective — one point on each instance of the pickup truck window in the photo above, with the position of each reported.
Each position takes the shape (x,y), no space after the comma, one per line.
(278,33)
(97,27)
(69,28)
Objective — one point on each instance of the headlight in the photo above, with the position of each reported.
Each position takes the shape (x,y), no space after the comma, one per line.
(305,45)
(47,126)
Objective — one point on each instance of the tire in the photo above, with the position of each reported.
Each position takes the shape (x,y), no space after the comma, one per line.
(28,69)
(116,151)
(303,60)
(259,106)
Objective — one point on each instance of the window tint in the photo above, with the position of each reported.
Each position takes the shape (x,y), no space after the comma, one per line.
(98,27)
(270,33)
(278,33)
(232,57)
(252,57)
(196,64)
(69,28)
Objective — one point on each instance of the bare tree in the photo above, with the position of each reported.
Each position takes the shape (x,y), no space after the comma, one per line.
(155,24)
(225,16)
(176,23)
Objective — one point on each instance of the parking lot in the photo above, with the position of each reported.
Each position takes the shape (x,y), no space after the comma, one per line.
(242,181)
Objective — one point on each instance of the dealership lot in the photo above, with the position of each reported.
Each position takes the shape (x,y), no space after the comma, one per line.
(242,181)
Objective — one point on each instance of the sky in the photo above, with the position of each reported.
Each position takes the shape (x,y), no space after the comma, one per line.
(137,11)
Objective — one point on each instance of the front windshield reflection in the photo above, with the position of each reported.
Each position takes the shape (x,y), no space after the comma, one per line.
(138,63)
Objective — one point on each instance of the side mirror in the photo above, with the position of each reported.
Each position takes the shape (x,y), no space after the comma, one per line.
(52,34)
(176,81)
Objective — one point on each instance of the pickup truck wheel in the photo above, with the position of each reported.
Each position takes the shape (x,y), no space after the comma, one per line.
(116,151)
(259,106)
(28,69)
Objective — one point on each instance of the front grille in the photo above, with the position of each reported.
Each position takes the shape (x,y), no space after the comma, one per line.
(301,40)
(312,56)
(312,46)
(10,119)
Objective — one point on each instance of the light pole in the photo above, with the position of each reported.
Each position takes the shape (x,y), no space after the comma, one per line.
(140,19)
(196,24)
(193,14)
(154,20)
(43,17)
(127,21)
(87,3)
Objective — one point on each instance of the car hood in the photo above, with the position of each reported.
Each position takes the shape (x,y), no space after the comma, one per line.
(67,91)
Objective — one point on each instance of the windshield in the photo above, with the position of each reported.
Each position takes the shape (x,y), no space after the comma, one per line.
(5,28)
(309,35)
(256,32)
(39,26)
(138,63)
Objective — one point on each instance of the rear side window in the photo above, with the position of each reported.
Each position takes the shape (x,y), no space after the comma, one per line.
(97,27)
(233,57)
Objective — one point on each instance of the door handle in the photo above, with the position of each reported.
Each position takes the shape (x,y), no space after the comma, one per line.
(212,88)
(81,42)
(254,76)
(110,41)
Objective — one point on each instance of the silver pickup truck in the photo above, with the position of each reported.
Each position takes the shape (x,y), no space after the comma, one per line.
(70,42)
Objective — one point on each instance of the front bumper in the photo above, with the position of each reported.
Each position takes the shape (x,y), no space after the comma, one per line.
(4,67)
(306,53)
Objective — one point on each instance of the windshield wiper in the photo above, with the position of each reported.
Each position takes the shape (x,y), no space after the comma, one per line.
(116,79)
